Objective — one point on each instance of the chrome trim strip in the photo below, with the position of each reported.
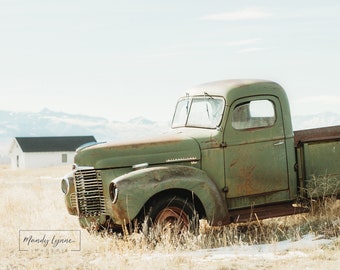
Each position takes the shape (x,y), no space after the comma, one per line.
(188,159)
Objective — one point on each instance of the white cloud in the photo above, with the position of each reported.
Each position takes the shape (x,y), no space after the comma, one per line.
(245,14)
(249,50)
(242,42)
(323,99)
(315,104)
(246,45)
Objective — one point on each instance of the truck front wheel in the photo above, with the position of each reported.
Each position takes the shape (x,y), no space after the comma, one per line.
(171,213)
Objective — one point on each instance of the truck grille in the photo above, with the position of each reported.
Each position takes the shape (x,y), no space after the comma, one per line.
(89,188)
(73,200)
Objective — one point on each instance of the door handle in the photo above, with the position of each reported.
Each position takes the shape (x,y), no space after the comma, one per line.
(278,143)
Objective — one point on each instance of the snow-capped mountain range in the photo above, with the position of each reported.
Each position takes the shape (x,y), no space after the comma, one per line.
(51,123)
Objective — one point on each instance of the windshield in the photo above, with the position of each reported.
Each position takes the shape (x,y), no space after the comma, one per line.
(203,111)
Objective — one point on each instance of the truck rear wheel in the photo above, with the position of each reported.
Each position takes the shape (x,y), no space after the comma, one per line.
(171,213)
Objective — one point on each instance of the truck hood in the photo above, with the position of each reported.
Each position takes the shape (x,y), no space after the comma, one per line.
(164,149)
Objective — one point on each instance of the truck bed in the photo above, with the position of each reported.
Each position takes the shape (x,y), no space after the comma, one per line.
(318,161)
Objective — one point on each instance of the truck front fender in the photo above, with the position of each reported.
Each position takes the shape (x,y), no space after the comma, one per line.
(134,189)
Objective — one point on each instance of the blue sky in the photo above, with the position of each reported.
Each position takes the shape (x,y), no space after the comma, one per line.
(122,59)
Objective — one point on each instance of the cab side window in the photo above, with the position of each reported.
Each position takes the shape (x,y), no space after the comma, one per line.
(253,114)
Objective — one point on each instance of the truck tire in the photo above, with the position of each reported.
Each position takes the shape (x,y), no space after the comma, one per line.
(171,213)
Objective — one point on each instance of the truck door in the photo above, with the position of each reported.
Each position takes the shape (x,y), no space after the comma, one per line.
(255,153)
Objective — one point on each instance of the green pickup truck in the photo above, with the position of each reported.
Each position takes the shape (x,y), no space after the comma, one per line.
(231,153)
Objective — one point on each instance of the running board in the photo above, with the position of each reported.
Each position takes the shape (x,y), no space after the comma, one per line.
(265,211)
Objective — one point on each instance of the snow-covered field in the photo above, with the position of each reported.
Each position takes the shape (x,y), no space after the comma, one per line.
(310,252)
(32,200)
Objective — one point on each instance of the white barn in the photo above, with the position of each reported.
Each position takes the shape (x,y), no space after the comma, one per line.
(39,152)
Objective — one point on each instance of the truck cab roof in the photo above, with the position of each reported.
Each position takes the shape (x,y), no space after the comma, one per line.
(230,89)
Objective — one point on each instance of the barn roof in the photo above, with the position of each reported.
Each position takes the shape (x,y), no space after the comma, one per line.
(53,144)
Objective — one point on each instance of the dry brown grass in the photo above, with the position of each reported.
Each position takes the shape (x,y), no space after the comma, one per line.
(32,200)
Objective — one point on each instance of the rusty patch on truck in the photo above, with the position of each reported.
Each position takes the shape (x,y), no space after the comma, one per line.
(246,175)
(120,213)
(233,163)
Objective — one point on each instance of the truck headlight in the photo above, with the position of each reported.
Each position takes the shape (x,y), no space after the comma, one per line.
(66,182)
(65,186)
(113,190)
